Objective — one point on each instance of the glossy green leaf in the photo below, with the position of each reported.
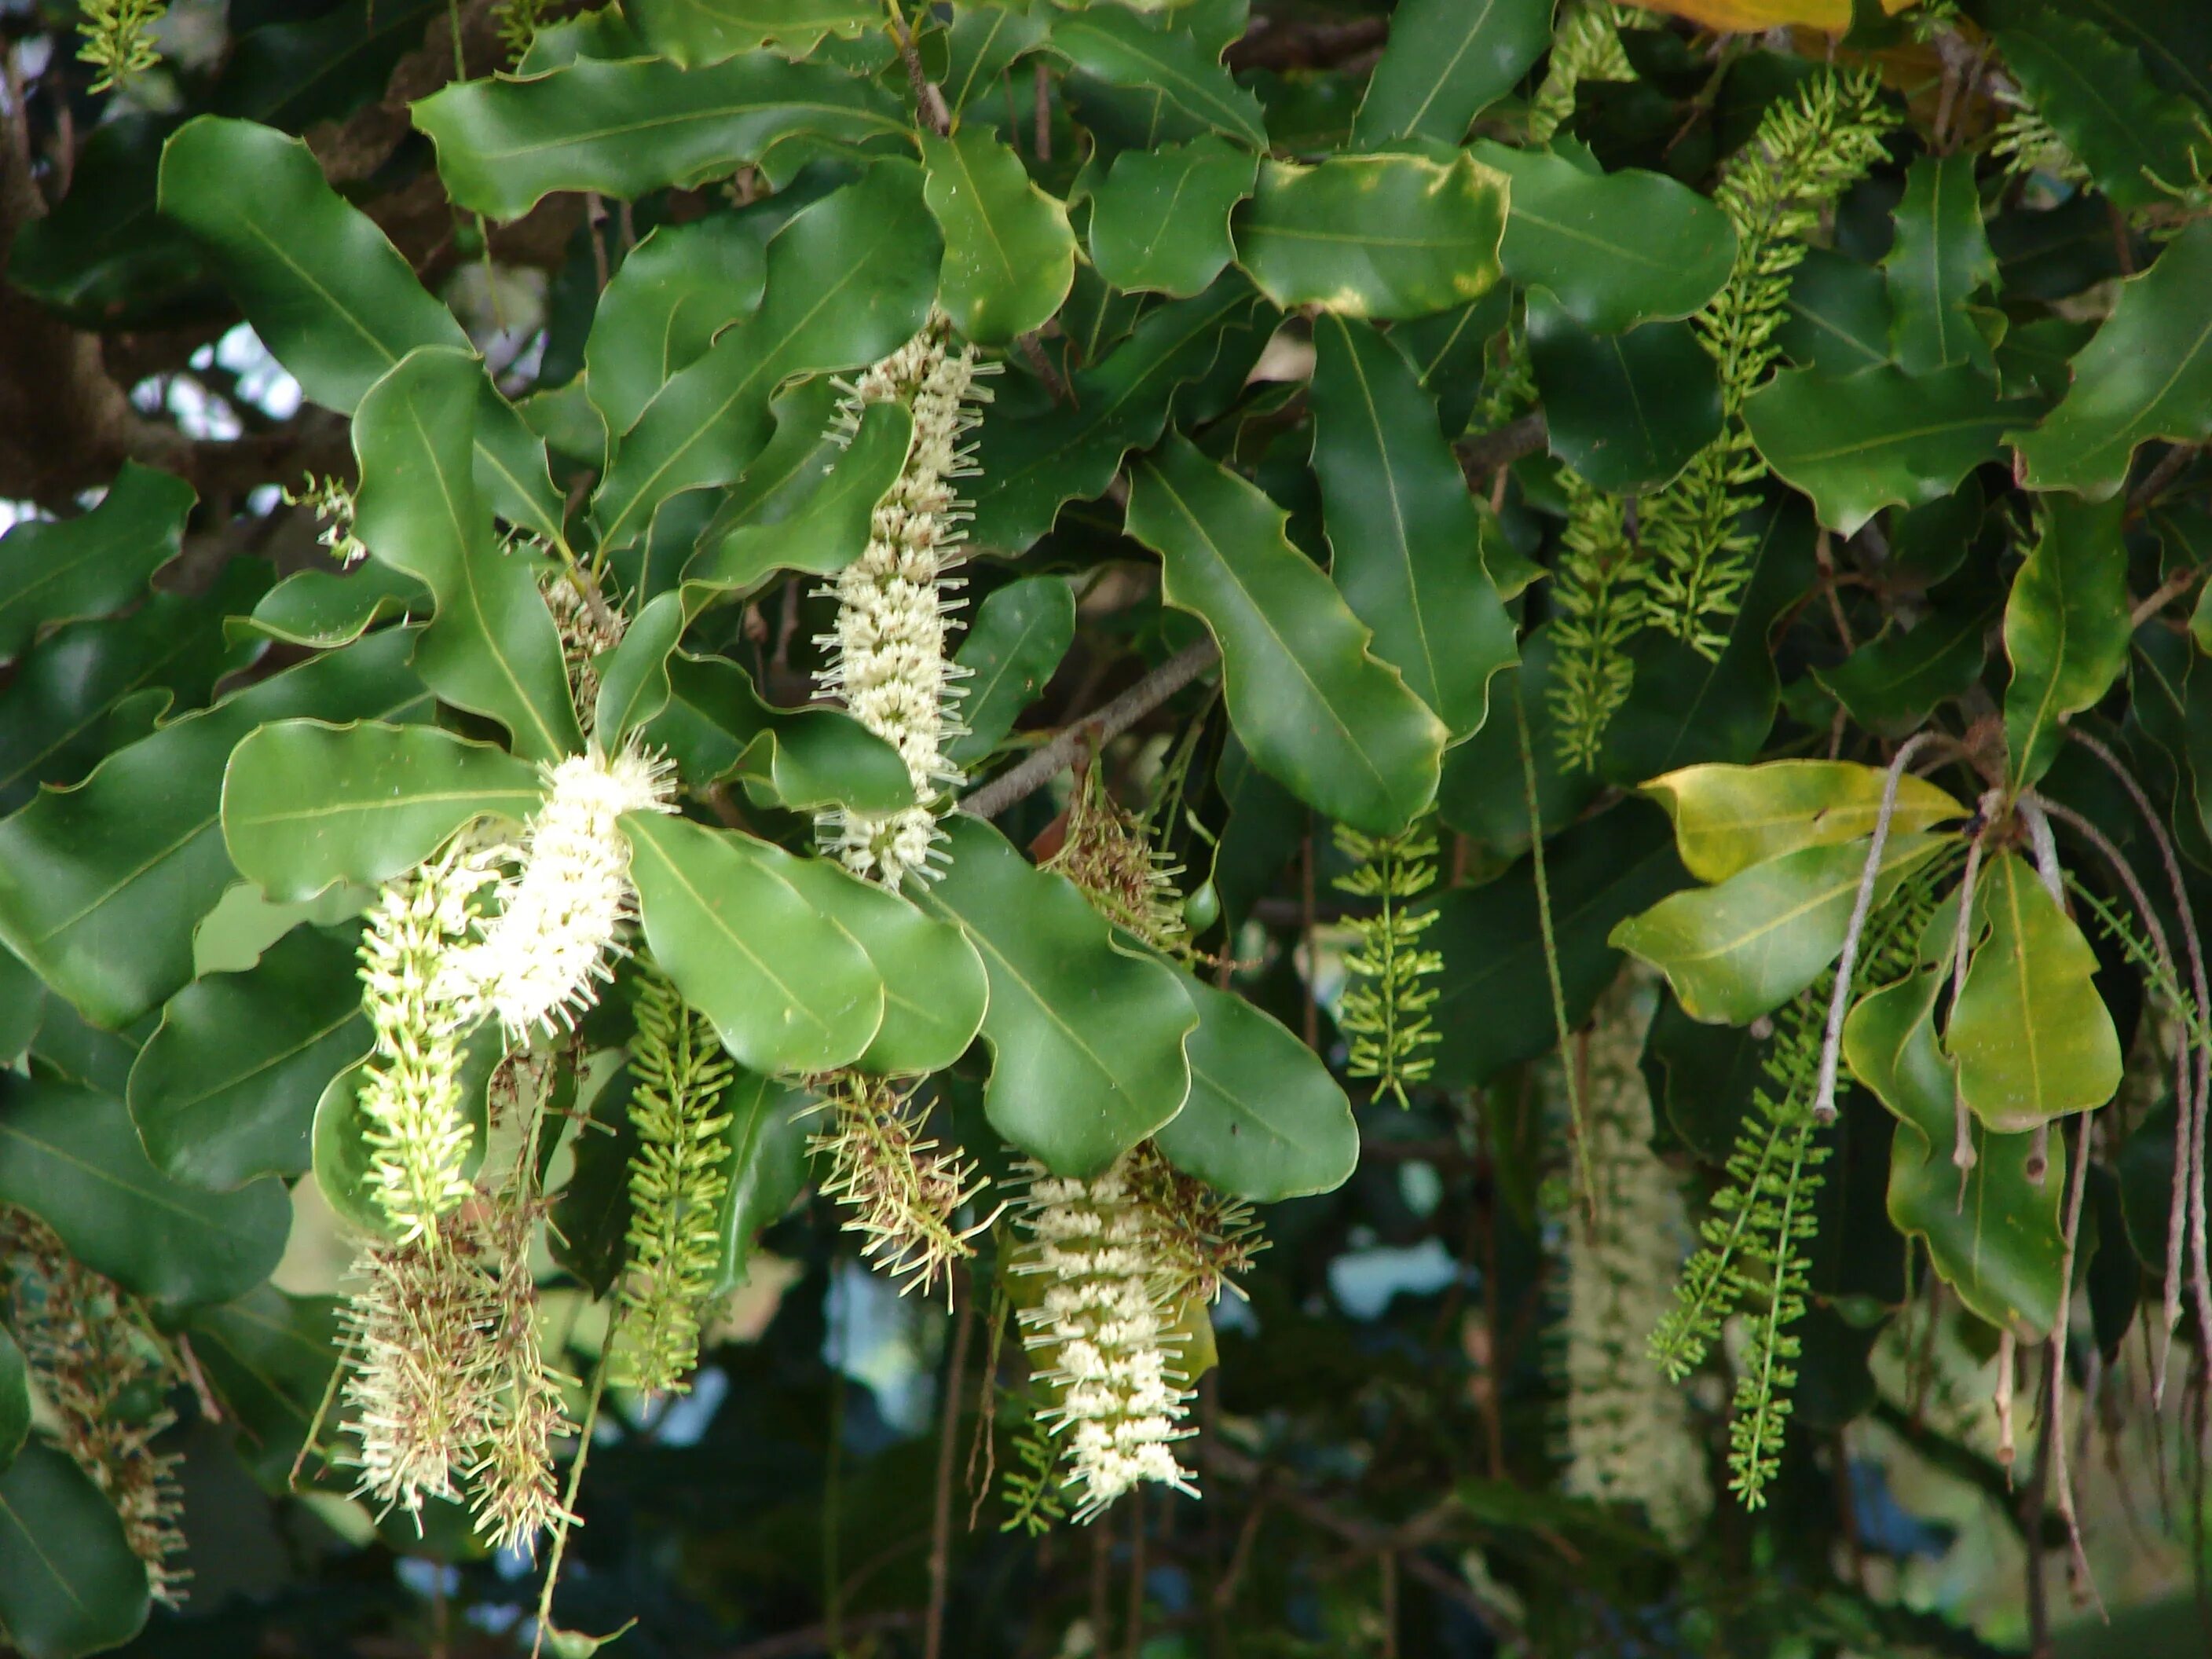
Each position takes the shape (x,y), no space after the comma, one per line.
(1406,535)
(675,291)
(639,125)
(1020,634)
(2032,1038)
(765,1167)
(1009,253)
(15,1400)
(786,987)
(492,648)
(1881,438)
(1086,1040)
(984,42)
(1378,236)
(136,853)
(1838,320)
(1728,818)
(1315,709)
(715,725)
(1159,221)
(69,1582)
(225,1089)
(1992,1234)
(1742,948)
(268,1357)
(55,571)
(695,32)
(634,676)
(294,74)
(1615,249)
(2147,375)
(1891,684)
(306,804)
(73,1159)
(850,279)
(1265,1120)
(1941,260)
(2065,629)
(1627,411)
(1035,463)
(327,609)
(1114,46)
(66,1047)
(1447,61)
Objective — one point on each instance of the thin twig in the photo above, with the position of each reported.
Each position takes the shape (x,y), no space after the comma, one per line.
(2045,848)
(565,1522)
(2056,1405)
(941,1518)
(929,101)
(2172,588)
(1962,1142)
(1552,954)
(2171,465)
(1492,452)
(1093,732)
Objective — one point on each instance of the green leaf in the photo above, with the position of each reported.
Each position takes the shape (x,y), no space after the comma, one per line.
(1114,46)
(268,1357)
(325,609)
(2065,629)
(15,1400)
(102,257)
(68,1582)
(850,279)
(1839,319)
(1315,710)
(1159,223)
(306,804)
(765,1167)
(716,724)
(658,314)
(1406,535)
(2032,1038)
(1447,61)
(1941,260)
(1881,438)
(137,852)
(697,32)
(1992,1234)
(589,1229)
(56,571)
(984,42)
(1034,464)
(1020,633)
(627,128)
(1627,411)
(787,988)
(292,75)
(1377,236)
(493,648)
(633,678)
(1615,249)
(1728,818)
(1891,684)
(2147,375)
(72,1158)
(1264,1121)
(225,1089)
(1738,949)
(1086,1040)
(1009,253)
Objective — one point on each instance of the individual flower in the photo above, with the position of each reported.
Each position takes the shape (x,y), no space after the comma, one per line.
(887,656)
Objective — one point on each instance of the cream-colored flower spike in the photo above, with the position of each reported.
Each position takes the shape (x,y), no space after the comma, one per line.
(563,910)
(1117,1396)
(887,657)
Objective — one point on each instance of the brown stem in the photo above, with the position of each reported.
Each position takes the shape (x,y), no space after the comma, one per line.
(948,1431)
(2055,1408)
(1492,452)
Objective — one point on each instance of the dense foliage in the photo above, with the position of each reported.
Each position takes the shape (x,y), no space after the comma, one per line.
(1042,826)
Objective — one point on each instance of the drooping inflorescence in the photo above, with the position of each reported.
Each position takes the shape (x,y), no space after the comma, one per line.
(887,658)
(903,1194)
(1106,852)
(1384,1010)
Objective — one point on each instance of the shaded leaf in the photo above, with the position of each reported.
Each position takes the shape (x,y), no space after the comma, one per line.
(1447,61)
(1941,260)
(102,256)
(1264,1121)
(15,1400)
(1839,320)
(56,571)
(1114,46)
(1627,411)
(2065,629)
(1891,684)
(268,1357)
(1020,633)
(1009,254)
(68,1582)
(765,1167)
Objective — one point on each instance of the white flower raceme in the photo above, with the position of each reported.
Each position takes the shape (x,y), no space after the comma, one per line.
(887,657)
(420,1001)
(1116,1392)
(1626,1430)
(561,911)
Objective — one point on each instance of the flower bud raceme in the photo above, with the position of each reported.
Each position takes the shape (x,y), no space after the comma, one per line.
(554,942)
(887,657)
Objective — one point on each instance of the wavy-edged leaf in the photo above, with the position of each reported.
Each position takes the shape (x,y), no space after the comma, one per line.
(1839,320)
(1379,236)
(1015,643)
(695,32)
(2032,1039)
(1159,220)
(1265,1120)
(787,988)
(1113,44)
(492,647)
(1615,249)
(1627,411)
(1728,818)
(2065,629)
(638,125)
(1941,260)
(1406,534)
(68,1582)
(1891,684)
(634,676)
(2147,375)
(675,291)
(72,1158)
(1447,61)
(54,571)
(1009,253)
(984,42)
(1740,949)
(136,851)
(1315,710)
(325,609)
(1086,1040)
(225,1089)
(716,726)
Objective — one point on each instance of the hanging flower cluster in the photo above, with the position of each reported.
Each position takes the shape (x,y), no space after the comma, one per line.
(887,658)
(903,1194)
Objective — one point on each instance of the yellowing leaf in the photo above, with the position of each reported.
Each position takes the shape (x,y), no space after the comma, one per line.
(1745,14)
(1728,818)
